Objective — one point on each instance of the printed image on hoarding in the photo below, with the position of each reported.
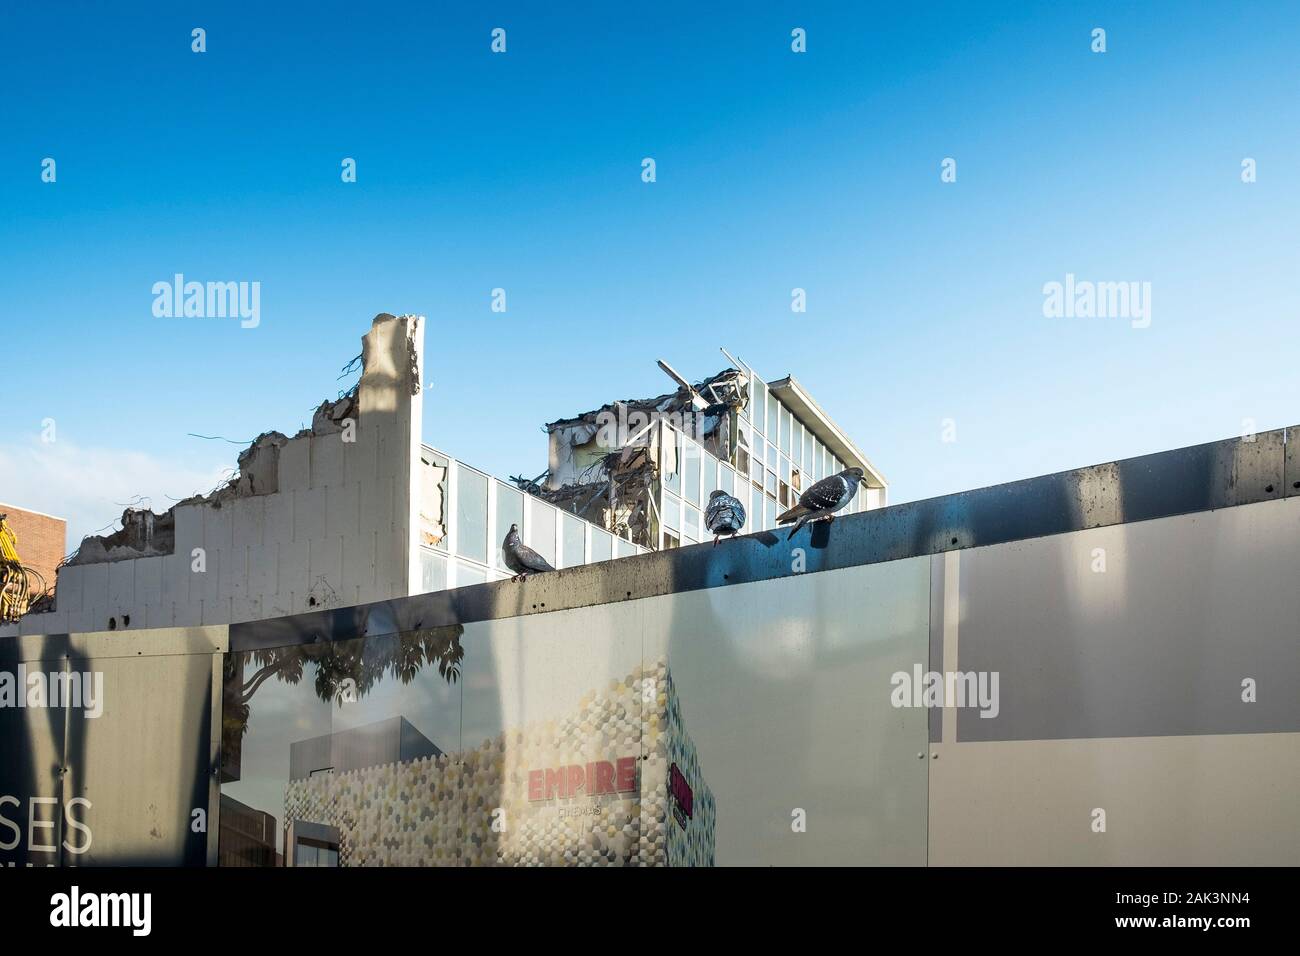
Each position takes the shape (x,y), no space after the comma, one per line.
(351,754)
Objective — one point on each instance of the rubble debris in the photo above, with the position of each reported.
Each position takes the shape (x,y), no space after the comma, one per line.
(604,463)
(331,417)
(143,534)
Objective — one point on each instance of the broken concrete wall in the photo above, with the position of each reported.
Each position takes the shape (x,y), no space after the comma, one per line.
(325,517)
(143,534)
(433,498)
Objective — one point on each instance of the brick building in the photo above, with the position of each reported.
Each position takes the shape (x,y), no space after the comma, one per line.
(42,541)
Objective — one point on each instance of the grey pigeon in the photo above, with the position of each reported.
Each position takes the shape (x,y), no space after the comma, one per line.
(823,499)
(723,515)
(520,558)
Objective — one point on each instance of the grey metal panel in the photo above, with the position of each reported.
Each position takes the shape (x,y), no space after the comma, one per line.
(936,636)
(144,763)
(31,780)
(785,688)
(1200,478)
(1159,643)
(1210,801)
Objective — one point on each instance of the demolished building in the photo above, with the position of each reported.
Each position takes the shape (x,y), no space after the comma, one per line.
(644,468)
(357,509)
(352,510)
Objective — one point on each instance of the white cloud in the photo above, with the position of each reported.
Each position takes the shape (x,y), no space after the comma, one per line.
(91,487)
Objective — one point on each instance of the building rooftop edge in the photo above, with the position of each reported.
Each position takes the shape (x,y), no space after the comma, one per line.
(789,391)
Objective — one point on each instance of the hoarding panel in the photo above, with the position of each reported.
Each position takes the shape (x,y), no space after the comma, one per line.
(785,687)
(140,768)
(342,755)
(32,809)
(1142,629)
(1145,711)
(554,728)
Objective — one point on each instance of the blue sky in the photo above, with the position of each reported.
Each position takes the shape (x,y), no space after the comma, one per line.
(775,170)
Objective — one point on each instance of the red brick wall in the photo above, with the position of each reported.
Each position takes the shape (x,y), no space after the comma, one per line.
(41,539)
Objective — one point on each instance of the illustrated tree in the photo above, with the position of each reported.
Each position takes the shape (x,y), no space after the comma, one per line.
(339,667)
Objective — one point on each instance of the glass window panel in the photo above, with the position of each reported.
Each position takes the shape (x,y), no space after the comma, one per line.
(510,510)
(770,483)
(772,417)
(756,508)
(771,456)
(624,548)
(670,515)
(433,571)
(471,514)
(467,574)
(770,512)
(670,541)
(809,450)
(711,468)
(670,453)
(727,480)
(541,530)
(691,522)
(691,469)
(785,469)
(796,444)
(575,541)
(602,545)
(787,429)
(756,463)
(758,405)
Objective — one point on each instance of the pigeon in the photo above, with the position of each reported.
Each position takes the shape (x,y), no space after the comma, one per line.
(520,558)
(823,499)
(723,515)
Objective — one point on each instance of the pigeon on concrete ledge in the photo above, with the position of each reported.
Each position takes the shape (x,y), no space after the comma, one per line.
(723,515)
(520,558)
(823,499)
